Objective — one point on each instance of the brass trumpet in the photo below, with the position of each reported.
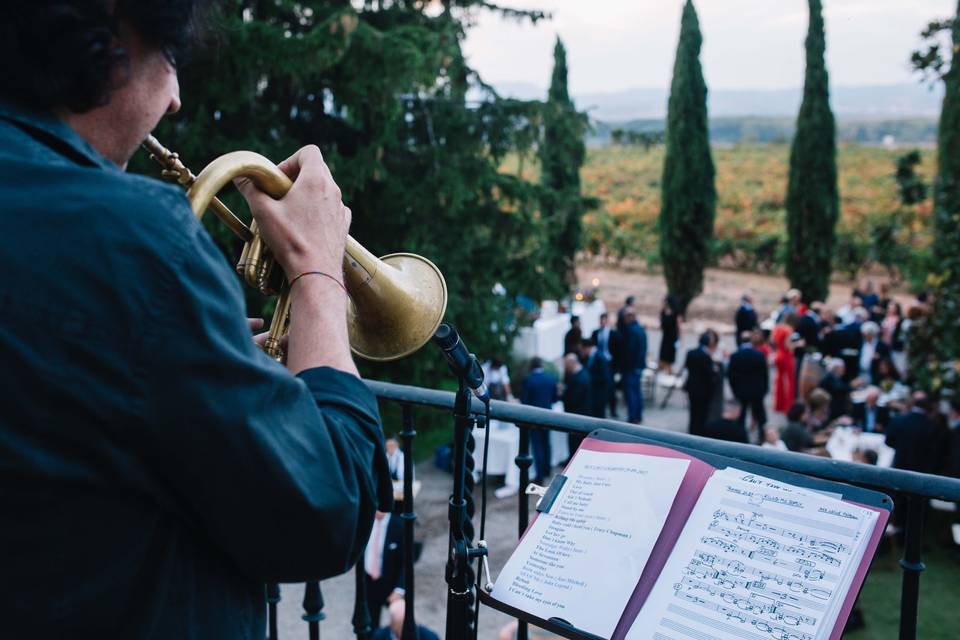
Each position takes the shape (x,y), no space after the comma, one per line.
(396,302)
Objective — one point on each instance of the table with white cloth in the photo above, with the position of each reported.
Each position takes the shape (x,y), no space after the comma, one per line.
(505,446)
(844,441)
(898,393)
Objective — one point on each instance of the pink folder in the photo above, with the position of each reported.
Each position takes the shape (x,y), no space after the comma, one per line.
(690,488)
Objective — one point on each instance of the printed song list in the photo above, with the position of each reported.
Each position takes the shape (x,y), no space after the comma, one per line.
(581,561)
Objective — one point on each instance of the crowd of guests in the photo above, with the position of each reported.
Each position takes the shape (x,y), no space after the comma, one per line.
(831,368)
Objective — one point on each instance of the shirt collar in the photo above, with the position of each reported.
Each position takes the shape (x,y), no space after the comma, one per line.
(55,133)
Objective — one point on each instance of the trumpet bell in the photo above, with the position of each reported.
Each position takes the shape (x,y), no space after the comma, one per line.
(396,312)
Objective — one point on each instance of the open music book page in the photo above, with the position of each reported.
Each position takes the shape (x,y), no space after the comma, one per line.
(581,561)
(757,559)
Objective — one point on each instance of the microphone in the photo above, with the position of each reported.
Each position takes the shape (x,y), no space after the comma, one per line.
(462,363)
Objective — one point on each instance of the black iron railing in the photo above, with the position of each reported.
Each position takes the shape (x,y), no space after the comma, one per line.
(915,488)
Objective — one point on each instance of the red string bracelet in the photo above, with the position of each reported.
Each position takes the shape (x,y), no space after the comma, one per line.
(318,273)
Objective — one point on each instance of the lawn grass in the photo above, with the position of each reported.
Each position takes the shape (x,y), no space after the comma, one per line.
(939,590)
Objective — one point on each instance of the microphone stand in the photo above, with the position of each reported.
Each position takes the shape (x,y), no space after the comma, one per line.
(461,552)
(459,572)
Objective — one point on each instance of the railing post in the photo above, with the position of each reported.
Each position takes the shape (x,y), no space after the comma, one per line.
(912,564)
(362,623)
(408,517)
(313,608)
(273,599)
(523,460)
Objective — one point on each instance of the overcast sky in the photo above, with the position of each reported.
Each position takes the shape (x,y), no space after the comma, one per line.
(619,44)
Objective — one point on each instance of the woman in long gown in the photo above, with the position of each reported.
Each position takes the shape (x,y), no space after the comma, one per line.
(785,381)
(670,319)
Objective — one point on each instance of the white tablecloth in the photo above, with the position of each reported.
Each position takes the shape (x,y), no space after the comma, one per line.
(505,446)
(545,338)
(845,440)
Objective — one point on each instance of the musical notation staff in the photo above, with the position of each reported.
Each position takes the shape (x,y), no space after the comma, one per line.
(756,561)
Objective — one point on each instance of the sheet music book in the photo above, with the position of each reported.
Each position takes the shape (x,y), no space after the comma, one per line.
(643,542)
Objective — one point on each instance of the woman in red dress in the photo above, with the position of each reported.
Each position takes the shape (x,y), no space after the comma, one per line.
(785,382)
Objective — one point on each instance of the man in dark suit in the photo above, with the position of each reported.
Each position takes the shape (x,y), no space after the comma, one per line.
(605,338)
(808,328)
(810,325)
(846,344)
(600,377)
(601,337)
(627,304)
(573,337)
(539,390)
(873,351)
(745,318)
(750,381)
(701,371)
(631,361)
(729,427)
(919,446)
(869,415)
(383,564)
(915,437)
(835,383)
(576,394)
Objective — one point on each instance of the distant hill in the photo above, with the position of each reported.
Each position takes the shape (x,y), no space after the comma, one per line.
(731,130)
(875,102)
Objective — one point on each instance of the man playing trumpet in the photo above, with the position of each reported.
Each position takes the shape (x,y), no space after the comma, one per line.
(155,467)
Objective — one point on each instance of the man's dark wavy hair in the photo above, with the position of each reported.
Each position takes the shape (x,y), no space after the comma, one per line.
(62,54)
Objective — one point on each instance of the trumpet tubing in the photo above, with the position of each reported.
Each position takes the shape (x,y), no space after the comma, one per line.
(396,302)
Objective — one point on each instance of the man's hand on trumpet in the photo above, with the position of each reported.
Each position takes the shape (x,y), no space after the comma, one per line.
(307,230)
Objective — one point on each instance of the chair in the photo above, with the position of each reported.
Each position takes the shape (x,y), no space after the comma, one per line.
(671,383)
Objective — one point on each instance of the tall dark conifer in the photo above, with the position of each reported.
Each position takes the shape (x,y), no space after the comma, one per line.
(812,203)
(688,202)
(561,155)
(935,342)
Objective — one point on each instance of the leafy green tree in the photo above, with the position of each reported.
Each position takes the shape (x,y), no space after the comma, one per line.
(935,341)
(688,192)
(812,202)
(562,153)
(912,188)
(381,89)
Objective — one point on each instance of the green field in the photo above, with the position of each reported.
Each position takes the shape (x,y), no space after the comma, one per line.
(751,184)
(939,585)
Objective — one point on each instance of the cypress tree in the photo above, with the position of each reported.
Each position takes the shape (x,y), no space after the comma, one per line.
(688,201)
(562,153)
(812,202)
(935,341)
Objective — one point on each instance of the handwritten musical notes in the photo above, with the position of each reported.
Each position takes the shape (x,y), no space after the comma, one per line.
(757,560)
(581,561)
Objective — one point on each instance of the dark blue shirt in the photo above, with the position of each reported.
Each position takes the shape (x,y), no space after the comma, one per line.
(539,389)
(155,467)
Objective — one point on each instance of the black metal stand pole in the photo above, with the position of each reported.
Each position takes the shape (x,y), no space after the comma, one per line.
(523,460)
(459,574)
(912,564)
(408,517)
(273,599)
